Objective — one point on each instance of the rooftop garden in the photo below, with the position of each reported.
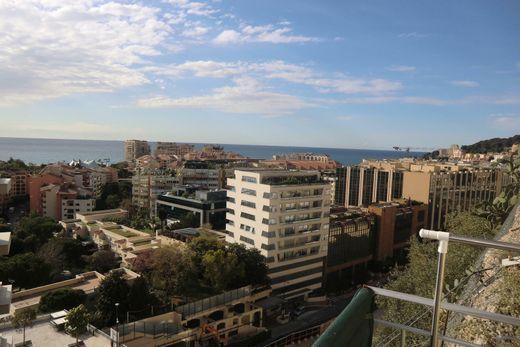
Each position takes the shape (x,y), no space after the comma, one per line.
(124,233)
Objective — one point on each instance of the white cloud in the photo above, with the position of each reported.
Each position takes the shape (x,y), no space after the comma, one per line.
(193,7)
(195,32)
(71,128)
(281,70)
(401,68)
(227,37)
(468,84)
(262,33)
(506,121)
(55,48)
(245,96)
(411,35)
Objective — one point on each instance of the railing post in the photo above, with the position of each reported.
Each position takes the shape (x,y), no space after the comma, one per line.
(403,338)
(443,238)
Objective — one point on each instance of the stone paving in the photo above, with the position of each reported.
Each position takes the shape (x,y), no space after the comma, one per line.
(44,335)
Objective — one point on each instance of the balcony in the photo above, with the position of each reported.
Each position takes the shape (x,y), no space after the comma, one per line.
(298,196)
(311,219)
(300,233)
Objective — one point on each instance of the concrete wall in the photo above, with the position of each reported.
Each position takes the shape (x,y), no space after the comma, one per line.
(416,186)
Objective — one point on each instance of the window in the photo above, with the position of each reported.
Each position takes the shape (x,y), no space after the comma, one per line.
(247,240)
(268,234)
(248,204)
(247,216)
(249,179)
(246,191)
(268,247)
(230,199)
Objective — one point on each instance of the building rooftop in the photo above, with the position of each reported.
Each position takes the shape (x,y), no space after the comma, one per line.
(87,282)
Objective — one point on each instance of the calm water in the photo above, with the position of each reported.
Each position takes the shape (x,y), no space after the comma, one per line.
(41,151)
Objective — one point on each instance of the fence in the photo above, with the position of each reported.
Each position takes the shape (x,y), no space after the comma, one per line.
(296,336)
(436,303)
(214,301)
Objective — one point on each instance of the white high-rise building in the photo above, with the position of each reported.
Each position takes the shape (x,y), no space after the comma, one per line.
(285,215)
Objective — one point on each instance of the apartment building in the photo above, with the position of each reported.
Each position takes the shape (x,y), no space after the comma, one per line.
(5,192)
(285,215)
(396,223)
(445,187)
(173,148)
(362,186)
(147,185)
(19,184)
(135,149)
(62,201)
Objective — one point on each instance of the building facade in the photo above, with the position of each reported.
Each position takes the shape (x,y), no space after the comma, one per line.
(62,201)
(6,193)
(361,186)
(146,187)
(208,206)
(135,149)
(285,215)
(445,187)
(173,148)
(351,246)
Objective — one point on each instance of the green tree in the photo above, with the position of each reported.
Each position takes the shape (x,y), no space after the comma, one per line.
(201,245)
(255,266)
(222,269)
(172,271)
(139,296)
(23,319)
(26,270)
(103,261)
(32,232)
(416,277)
(76,322)
(113,289)
(61,299)
(63,253)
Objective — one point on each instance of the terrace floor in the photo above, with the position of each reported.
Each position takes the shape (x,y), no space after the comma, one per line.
(43,334)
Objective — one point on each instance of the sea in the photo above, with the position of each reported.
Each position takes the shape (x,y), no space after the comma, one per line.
(44,151)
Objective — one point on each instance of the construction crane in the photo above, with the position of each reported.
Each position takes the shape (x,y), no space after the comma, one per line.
(407,149)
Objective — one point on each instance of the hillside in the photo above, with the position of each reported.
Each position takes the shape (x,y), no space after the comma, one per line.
(492,145)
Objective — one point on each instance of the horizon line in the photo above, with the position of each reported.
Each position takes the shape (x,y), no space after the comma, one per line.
(203,143)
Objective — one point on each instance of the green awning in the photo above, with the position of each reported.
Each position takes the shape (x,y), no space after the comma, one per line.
(354,326)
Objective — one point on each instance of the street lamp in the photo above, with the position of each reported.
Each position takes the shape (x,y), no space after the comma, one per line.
(117,324)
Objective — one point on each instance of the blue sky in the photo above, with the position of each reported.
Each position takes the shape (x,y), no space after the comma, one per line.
(364,74)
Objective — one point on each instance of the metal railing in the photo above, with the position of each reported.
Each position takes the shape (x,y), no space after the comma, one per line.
(437,303)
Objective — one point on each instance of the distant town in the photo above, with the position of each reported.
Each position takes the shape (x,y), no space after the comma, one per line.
(208,247)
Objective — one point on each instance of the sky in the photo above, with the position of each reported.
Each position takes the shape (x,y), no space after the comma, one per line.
(344,74)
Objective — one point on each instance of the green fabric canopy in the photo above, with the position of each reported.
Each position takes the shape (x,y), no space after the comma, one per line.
(354,326)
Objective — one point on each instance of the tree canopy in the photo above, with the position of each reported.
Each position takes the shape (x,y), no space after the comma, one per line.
(61,299)
(113,289)
(76,321)
(492,145)
(418,278)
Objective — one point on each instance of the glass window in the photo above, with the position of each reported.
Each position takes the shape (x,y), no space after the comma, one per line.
(248,191)
(249,179)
